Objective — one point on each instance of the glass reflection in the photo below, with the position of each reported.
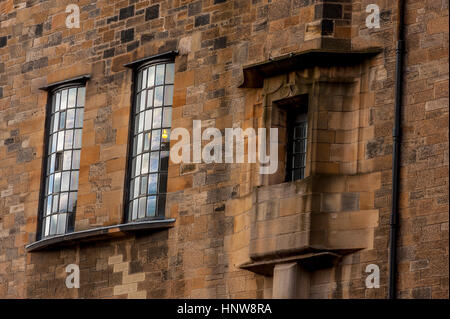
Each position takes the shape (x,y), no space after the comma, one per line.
(63,160)
(152,121)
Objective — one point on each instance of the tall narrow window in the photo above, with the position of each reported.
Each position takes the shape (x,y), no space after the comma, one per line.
(150,141)
(297,141)
(65,124)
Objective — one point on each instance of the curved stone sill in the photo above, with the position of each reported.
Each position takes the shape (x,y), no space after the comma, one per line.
(99,233)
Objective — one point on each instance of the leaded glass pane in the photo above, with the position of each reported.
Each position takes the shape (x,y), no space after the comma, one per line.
(63,160)
(152,120)
(296,161)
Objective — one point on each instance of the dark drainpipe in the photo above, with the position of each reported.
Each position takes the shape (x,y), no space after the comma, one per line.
(396,150)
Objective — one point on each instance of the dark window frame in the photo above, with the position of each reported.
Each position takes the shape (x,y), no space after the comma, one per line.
(294,106)
(137,66)
(52,89)
(292,126)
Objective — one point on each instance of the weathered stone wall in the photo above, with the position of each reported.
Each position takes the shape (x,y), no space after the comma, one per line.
(214,204)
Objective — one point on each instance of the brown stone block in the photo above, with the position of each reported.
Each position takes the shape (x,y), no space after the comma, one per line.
(125,289)
(184,79)
(20,240)
(179,97)
(291,21)
(366,182)
(437,53)
(7,6)
(201,75)
(89,155)
(366,133)
(322,153)
(437,25)
(342,32)
(119,61)
(267,210)
(290,206)
(441,89)
(116,179)
(59,21)
(325,168)
(350,201)
(211,105)
(313,30)
(68,72)
(117,164)
(330,102)
(112,199)
(345,220)
(97,101)
(330,202)
(85,199)
(265,229)
(186,220)
(108,36)
(422,96)
(343,152)
(348,168)
(288,224)
(193,259)
(366,200)
(182,122)
(350,239)
(350,103)
(122,135)
(325,136)
(346,136)
(292,241)
(260,246)
(88,138)
(32,126)
(112,152)
(200,224)
(8,221)
(378,163)
(343,120)
(224,122)
(416,56)
(23,91)
(174,169)
(120,117)
(179,183)
(311,203)
(436,104)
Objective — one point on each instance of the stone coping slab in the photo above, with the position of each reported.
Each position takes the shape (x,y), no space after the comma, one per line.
(254,74)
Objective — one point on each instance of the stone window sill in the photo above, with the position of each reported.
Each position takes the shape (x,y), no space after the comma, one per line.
(99,233)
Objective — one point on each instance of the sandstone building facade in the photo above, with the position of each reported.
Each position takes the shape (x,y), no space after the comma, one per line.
(81,108)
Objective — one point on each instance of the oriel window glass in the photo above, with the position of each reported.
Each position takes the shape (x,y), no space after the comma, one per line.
(150,141)
(63,160)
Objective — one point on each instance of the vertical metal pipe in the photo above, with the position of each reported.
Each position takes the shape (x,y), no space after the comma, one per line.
(396,134)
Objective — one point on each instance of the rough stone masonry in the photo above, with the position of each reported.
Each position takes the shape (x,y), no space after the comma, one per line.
(235,234)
